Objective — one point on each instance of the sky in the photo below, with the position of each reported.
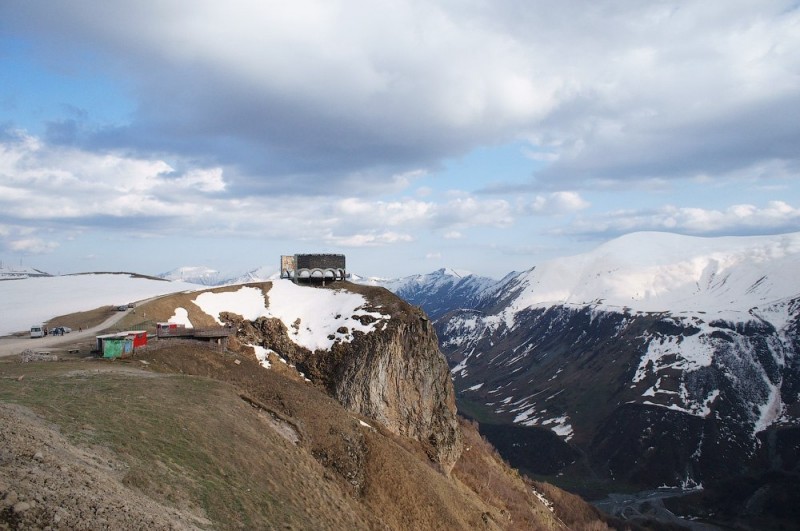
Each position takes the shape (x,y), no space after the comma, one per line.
(485,136)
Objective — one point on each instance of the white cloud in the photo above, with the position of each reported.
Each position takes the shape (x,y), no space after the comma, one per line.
(463,212)
(203,179)
(775,216)
(40,181)
(620,91)
(369,239)
(32,246)
(460,211)
(556,203)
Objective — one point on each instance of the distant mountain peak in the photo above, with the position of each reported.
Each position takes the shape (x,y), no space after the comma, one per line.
(458,273)
(207,276)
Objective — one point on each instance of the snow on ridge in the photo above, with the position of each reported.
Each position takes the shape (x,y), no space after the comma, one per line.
(443,277)
(206,276)
(194,274)
(668,272)
(312,316)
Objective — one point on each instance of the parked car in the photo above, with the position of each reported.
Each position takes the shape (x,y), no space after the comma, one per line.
(37,331)
(122,307)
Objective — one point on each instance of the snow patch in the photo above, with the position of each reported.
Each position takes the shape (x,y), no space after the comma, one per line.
(547,503)
(181,317)
(262,354)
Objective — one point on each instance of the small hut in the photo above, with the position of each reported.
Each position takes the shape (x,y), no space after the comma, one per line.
(121,344)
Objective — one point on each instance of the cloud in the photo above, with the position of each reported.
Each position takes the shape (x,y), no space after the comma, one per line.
(555,203)
(369,239)
(44,182)
(32,246)
(204,180)
(774,217)
(461,211)
(312,93)
(67,188)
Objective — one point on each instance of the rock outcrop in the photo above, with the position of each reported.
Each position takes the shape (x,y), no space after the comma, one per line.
(395,374)
(398,377)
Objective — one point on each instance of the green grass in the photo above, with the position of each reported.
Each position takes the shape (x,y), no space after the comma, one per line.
(178,436)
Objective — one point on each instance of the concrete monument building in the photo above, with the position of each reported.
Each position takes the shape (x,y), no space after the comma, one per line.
(313,267)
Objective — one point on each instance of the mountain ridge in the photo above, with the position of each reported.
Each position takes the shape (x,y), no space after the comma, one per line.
(679,368)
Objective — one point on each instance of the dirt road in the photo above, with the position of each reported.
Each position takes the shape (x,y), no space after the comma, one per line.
(11,345)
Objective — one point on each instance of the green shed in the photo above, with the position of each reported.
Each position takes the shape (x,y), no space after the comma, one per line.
(117,347)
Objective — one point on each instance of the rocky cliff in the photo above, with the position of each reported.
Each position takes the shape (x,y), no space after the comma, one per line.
(394,373)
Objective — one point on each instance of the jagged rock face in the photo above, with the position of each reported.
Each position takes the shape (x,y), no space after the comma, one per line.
(396,374)
(398,377)
(650,399)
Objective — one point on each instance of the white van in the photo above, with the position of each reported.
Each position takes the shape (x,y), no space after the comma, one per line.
(37,331)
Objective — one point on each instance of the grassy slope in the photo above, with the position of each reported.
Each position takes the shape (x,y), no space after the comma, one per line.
(192,443)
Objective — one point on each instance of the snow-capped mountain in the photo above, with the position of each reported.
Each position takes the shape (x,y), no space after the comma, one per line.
(662,359)
(202,275)
(260,274)
(206,276)
(437,292)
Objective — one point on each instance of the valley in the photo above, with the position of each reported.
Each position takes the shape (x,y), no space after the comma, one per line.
(655,361)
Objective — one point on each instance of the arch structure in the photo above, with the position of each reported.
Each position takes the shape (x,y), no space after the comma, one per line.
(313,267)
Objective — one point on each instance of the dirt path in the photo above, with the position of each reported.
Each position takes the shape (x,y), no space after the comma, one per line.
(11,345)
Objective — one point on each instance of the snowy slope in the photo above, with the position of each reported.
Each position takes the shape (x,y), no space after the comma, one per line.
(644,333)
(662,272)
(323,315)
(34,300)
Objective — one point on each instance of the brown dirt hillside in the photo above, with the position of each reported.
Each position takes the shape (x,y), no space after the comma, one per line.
(194,439)
(185,436)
